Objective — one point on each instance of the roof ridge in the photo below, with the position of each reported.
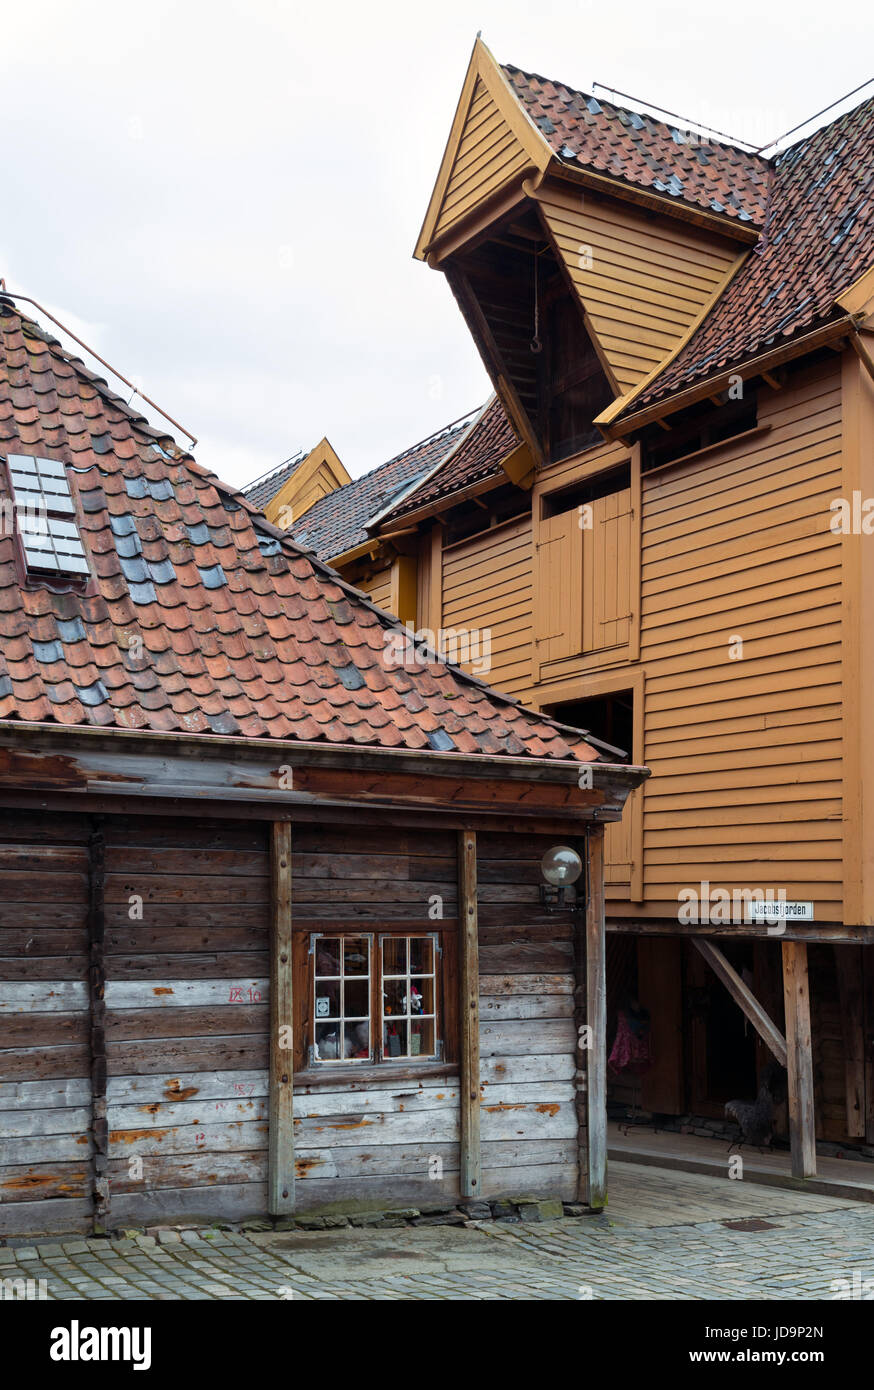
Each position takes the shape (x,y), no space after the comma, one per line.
(820,129)
(277,468)
(420,443)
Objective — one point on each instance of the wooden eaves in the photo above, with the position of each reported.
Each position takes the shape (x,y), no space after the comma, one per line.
(825,336)
(218,775)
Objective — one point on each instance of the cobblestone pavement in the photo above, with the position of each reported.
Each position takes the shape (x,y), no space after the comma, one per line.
(665,1238)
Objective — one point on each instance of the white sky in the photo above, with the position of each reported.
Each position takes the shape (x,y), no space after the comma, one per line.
(223,198)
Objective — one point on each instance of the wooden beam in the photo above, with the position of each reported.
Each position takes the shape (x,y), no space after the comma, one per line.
(596,1019)
(280,1192)
(468,1011)
(796,995)
(97,1017)
(744,998)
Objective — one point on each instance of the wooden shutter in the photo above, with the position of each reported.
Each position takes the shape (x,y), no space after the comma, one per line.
(558,586)
(607,571)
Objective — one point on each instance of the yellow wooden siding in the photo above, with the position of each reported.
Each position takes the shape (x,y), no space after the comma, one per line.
(377,587)
(487,589)
(642,281)
(746,753)
(489,156)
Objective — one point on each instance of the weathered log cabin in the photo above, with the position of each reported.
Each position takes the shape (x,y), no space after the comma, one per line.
(659,529)
(272,934)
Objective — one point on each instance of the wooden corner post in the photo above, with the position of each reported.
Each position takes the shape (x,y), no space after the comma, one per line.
(97,1008)
(799,1052)
(596,1019)
(468,983)
(280,1191)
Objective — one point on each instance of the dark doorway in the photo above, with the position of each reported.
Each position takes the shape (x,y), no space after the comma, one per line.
(720,1040)
(607,717)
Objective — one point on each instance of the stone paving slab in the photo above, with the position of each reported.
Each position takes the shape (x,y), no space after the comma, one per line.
(664,1238)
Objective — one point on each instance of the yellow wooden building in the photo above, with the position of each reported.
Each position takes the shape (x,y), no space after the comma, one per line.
(657,529)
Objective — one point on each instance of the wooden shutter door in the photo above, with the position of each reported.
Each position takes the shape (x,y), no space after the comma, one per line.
(607,567)
(558,587)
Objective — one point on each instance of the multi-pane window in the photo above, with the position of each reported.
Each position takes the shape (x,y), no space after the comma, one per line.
(374,999)
(46,517)
(409,1001)
(342,987)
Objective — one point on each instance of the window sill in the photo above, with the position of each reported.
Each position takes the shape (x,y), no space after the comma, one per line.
(352,1076)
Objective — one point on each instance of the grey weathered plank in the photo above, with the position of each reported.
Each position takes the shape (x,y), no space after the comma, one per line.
(43,996)
(170,994)
(522,1006)
(521,1038)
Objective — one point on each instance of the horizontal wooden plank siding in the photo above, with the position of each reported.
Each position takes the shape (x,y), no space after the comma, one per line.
(377,587)
(186,1018)
(741,640)
(642,282)
(488,593)
(488,158)
(527,1035)
(45,1086)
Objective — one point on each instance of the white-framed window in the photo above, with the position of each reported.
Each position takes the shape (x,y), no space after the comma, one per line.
(342,980)
(409,996)
(374,997)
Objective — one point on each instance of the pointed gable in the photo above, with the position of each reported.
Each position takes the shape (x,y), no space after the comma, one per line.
(492,146)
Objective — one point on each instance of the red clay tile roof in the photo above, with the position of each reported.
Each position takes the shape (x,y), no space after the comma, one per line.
(337,523)
(478,456)
(590,132)
(262,489)
(818,239)
(200,617)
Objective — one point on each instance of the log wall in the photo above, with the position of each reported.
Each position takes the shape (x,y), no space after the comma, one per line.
(186,1018)
(46,1171)
(186,907)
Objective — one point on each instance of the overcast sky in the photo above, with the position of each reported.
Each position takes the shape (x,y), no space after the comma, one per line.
(223,198)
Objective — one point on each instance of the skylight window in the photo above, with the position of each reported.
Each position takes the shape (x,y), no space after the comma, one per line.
(46,517)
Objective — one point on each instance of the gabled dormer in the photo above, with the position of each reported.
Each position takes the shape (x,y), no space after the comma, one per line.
(584,244)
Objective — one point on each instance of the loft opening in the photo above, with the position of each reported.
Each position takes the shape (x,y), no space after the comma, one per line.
(530,327)
(608,717)
(700,427)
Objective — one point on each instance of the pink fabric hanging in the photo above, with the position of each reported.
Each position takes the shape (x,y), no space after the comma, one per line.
(631,1050)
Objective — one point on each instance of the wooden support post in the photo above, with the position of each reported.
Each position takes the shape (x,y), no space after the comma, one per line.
(469,1088)
(596,1018)
(97,1007)
(280,1193)
(744,998)
(796,994)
